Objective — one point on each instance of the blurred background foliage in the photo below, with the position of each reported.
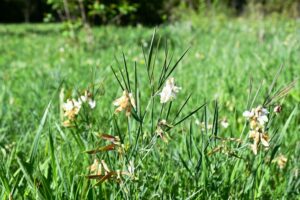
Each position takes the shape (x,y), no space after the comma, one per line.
(124,12)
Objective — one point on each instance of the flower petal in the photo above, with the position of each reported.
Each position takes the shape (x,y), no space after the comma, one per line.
(247,114)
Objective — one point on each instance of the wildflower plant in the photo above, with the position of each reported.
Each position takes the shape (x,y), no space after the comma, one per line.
(145,109)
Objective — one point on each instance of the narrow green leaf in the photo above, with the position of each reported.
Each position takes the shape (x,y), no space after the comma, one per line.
(38,134)
(117,77)
(181,108)
(126,71)
(190,114)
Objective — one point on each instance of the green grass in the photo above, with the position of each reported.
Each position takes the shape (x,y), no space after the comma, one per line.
(41,159)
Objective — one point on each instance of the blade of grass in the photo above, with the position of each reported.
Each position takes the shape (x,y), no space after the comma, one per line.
(181,108)
(215,121)
(151,51)
(154,60)
(190,114)
(126,70)
(117,78)
(52,157)
(122,75)
(163,69)
(169,110)
(175,65)
(38,134)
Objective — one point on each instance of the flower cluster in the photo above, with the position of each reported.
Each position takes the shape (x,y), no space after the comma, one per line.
(72,107)
(258,117)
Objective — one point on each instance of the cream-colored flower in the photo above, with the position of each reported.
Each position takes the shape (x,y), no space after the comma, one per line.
(262,115)
(71,108)
(96,167)
(125,102)
(224,123)
(67,123)
(87,98)
(92,104)
(169,92)
(281,161)
(257,115)
(258,138)
(254,148)
(264,139)
(248,114)
(255,135)
(105,167)
(262,119)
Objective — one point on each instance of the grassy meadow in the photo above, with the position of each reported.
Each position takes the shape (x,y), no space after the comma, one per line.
(196,146)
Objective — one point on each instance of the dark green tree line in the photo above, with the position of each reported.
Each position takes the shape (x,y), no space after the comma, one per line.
(133,11)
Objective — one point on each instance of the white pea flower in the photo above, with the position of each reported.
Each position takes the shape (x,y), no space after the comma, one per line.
(87,98)
(92,104)
(262,115)
(262,119)
(248,114)
(68,105)
(71,108)
(169,92)
(257,116)
(224,123)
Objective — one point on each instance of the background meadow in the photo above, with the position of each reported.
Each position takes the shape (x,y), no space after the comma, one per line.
(41,159)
